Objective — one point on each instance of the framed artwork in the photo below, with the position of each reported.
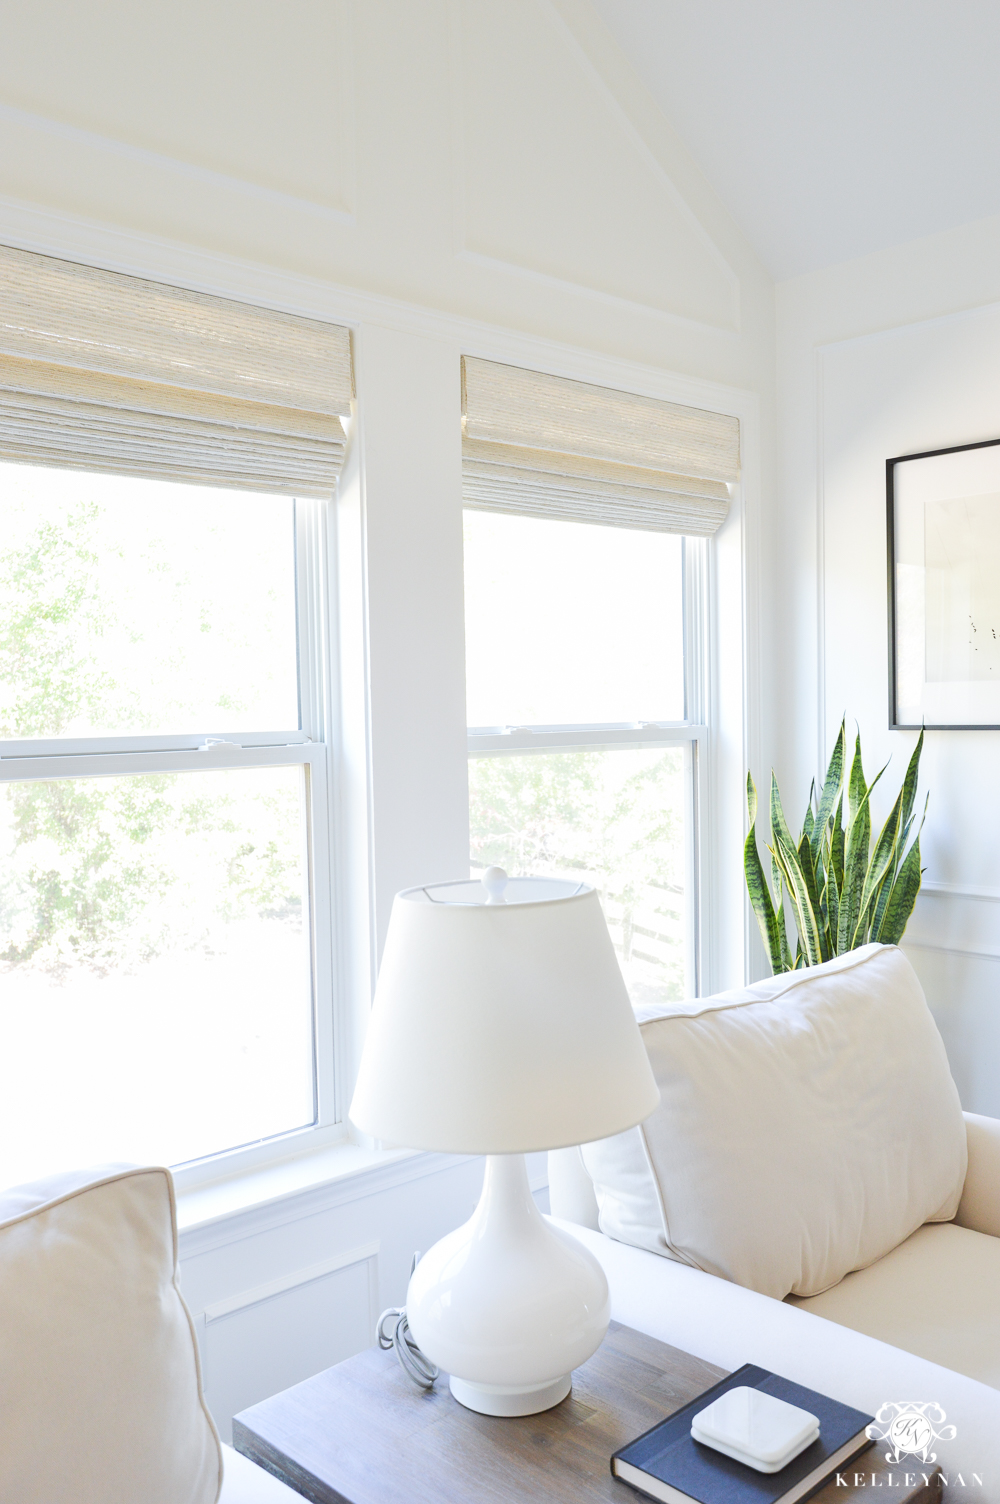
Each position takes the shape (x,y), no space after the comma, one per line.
(943,512)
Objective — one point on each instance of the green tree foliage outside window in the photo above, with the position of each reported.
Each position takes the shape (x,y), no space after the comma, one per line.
(89,871)
(843,892)
(612,819)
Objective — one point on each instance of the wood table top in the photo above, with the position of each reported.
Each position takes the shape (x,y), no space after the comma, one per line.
(360,1433)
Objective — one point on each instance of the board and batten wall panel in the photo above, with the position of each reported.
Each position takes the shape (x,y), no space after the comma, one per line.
(331,1308)
(281,1291)
(495,158)
(859,383)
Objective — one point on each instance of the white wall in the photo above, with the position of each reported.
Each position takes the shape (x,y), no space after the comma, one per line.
(442,175)
(894,354)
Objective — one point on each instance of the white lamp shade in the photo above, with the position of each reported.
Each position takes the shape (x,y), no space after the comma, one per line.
(500,1027)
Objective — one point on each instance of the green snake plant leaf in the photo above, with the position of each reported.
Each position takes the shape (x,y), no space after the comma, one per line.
(883,857)
(832,785)
(909,790)
(832,900)
(855,867)
(903,895)
(778,886)
(842,893)
(880,897)
(885,887)
(837,846)
(855,907)
(757,888)
(809,877)
(891,843)
(856,786)
(806,918)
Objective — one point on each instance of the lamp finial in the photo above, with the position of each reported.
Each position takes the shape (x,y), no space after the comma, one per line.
(494,880)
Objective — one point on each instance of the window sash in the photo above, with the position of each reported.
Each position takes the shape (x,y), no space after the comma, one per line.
(89,746)
(485,741)
(116,762)
(693,733)
(307,746)
(525,741)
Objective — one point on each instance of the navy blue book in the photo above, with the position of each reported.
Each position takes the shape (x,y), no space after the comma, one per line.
(666,1462)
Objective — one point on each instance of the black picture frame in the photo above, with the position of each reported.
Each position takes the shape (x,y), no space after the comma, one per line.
(896,635)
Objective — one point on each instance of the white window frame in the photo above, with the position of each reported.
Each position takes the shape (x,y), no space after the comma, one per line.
(308,747)
(692,734)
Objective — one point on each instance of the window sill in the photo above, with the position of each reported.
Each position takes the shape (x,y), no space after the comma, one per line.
(210,1216)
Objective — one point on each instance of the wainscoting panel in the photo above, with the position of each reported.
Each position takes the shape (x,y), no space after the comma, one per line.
(554,181)
(953,942)
(905,389)
(963,991)
(329,1310)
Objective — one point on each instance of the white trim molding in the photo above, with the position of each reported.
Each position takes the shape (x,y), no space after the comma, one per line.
(959,890)
(94,243)
(367,1253)
(143,157)
(636,141)
(234,1305)
(968,952)
(279,1195)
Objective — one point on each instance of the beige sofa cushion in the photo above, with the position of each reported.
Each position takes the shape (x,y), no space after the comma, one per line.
(100,1392)
(936,1295)
(979,1207)
(807,1125)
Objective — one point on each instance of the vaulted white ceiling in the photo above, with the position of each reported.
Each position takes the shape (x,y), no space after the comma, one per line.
(830,128)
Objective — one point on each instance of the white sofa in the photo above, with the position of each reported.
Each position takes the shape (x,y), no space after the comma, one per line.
(729,1325)
(842,1228)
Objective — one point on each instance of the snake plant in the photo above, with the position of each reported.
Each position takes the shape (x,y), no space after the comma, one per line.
(842,893)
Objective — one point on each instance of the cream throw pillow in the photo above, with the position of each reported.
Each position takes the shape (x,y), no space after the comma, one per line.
(807,1125)
(100,1389)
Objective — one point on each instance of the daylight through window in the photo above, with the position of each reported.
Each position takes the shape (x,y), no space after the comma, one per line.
(158,791)
(582,763)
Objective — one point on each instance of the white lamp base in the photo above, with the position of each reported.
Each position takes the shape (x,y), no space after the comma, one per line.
(496,1399)
(508,1305)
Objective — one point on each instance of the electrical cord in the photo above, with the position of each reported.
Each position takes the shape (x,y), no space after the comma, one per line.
(418,1368)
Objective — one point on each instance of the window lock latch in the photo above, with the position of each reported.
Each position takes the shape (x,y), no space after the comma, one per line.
(217,744)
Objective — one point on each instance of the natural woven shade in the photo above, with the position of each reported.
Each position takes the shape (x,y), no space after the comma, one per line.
(101,371)
(543,446)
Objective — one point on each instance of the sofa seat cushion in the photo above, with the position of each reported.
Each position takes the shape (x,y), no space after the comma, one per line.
(807,1125)
(937,1295)
(728,1325)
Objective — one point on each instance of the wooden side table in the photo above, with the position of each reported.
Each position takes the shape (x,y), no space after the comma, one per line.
(361,1434)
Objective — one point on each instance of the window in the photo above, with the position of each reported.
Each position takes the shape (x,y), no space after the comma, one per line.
(582,762)
(161,930)
(166,951)
(587,526)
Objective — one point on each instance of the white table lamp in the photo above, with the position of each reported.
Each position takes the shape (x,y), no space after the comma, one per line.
(501,1025)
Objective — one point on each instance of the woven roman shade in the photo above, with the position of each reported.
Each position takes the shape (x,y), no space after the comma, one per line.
(109,372)
(543,446)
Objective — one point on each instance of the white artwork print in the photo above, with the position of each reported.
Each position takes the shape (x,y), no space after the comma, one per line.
(946,576)
(962,585)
